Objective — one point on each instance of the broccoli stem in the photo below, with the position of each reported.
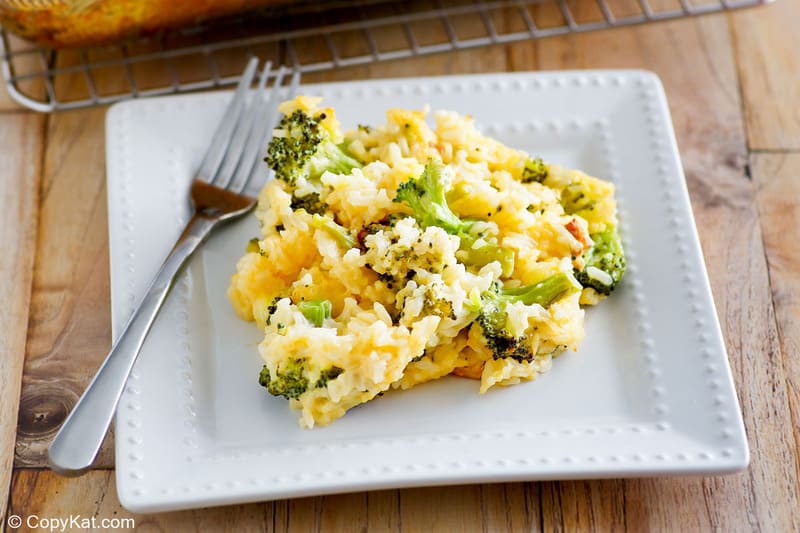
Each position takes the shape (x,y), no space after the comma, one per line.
(336,231)
(332,158)
(316,311)
(543,293)
(483,255)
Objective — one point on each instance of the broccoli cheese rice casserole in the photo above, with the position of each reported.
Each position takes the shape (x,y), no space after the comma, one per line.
(396,254)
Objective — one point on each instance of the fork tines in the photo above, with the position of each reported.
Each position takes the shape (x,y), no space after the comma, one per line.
(235,149)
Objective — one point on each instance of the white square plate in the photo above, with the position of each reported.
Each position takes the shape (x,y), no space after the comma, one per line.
(648,393)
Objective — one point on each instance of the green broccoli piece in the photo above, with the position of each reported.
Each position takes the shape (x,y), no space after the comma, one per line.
(492,315)
(293,378)
(385,224)
(434,303)
(426,198)
(575,198)
(316,311)
(290,381)
(253,247)
(328,375)
(310,202)
(302,148)
(605,262)
(336,231)
(486,253)
(534,170)
(544,293)
(438,307)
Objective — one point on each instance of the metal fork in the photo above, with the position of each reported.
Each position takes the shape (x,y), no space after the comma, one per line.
(217,194)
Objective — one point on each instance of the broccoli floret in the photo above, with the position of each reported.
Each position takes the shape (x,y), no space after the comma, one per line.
(440,307)
(292,378)
(501,343)
(336,231)
(605,262)
(290,381)
(492,315)
(328,375)
(302,148)
(310,202)
(385,224)
(534,170)
(316,311)
(576,198)
(426,198)
(434,301)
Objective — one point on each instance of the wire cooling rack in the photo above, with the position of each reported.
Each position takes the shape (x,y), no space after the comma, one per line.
(308,38)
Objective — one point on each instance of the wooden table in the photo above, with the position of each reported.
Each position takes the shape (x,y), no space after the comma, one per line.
(733,83)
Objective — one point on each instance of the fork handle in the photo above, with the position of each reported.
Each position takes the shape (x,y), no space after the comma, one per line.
(76,445)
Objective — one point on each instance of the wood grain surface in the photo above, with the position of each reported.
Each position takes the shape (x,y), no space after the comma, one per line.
(777,183)
(21,139)
(733,92)
(766,48)
(27,63)
(69,329)
(695,63)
